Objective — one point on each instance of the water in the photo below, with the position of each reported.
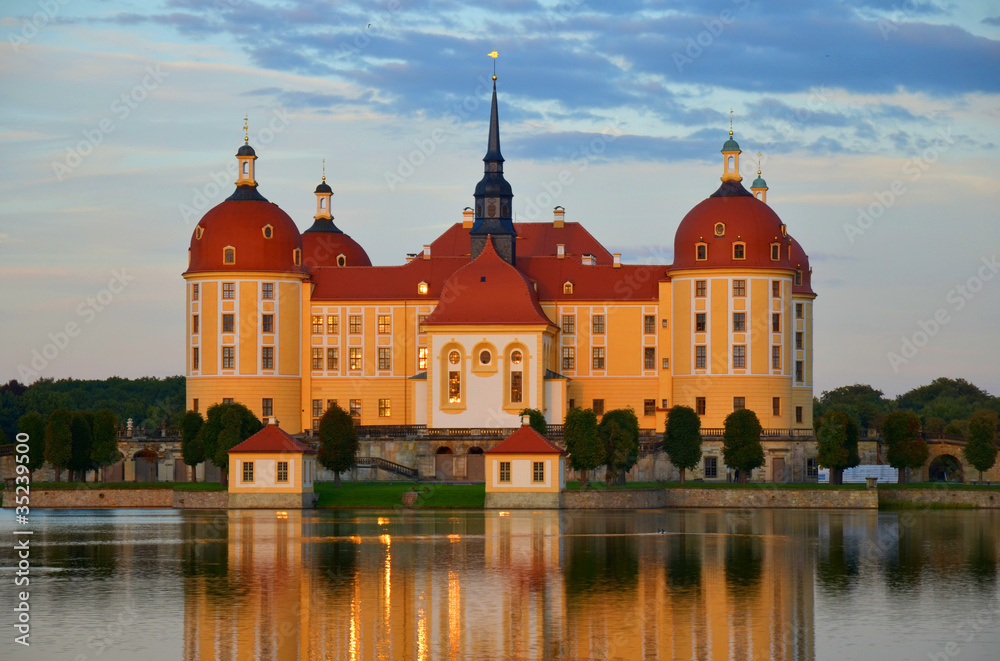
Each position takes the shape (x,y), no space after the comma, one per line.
(765,584)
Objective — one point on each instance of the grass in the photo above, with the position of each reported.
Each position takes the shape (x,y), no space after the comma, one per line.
(905,505)
(390,494)
(108,486)
(713,485)
(942,485)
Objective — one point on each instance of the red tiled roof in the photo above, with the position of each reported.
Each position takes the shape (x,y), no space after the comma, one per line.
(487,290)
(272,439)
(800,261)
(600,282)
(526,441)
(323,248)
(240,223)
(532,239)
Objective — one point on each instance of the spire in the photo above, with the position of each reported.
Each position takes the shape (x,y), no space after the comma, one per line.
(493,146)
(323,203)
(759,186)
(731,156)
(246,181)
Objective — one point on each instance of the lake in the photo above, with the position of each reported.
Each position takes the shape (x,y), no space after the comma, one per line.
(398,584)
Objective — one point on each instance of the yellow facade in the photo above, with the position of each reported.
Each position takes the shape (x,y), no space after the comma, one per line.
(265,475)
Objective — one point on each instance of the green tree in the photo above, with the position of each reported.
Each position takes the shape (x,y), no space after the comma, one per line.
(905,448)
(619,431)
(82,429)
(948,399)
(244,424)
(33,425)
(981,445)
(104,451)
(537,420)
(192,451)
(837,443)
(934,425)
(862,402)
(59,440)
(338,439)
(586,450)
(741,448)
(682,438)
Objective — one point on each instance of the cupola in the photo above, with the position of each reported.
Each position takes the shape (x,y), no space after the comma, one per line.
(731,156)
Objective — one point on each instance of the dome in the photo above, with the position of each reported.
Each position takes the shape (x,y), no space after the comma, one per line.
(324,243)
(800,262)
(758,182)
(324,188)
(730,145)
(246,150)
(243,224)
(729,216)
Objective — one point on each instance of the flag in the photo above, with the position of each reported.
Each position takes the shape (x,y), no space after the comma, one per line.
(494,55)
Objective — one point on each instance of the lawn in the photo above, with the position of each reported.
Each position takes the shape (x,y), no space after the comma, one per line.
(712,485)
(942,485)
(390,494)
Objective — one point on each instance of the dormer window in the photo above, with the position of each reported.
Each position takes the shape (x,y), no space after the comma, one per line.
(422,288)
(229,255)
(268,231)
(297,257)
(739,250)
(341,260)
(798,278)
(567,287)
(701,252)
(720,229)
(775,252)
(199,232)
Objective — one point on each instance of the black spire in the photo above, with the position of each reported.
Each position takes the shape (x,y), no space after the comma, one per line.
(493,198)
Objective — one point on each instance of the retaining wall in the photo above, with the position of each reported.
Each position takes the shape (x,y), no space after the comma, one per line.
(122,498)
(614,499)
(751,498)
(933,496)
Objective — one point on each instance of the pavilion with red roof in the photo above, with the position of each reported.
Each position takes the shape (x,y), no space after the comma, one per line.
(525,470)
(271,470)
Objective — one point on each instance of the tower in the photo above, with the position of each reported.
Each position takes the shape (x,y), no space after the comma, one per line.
(493,198)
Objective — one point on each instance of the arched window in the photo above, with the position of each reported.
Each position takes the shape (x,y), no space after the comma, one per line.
(322,203)
(775,252)
(422,288)
(567,287)
(297,257)
(246,168)
(798,278)
(701,252)
(229,255)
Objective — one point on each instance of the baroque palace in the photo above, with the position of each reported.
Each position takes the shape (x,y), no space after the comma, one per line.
(495,316)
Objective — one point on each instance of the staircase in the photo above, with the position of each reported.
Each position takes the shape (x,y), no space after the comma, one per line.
(388,466)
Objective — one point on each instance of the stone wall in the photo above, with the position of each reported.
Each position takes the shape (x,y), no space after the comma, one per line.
(122,499)
(523,501)
(942,496)
(761,497)
(615,499)
(272,500)
(201,500)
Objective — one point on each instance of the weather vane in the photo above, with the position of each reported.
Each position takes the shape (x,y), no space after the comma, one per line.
(324,169)
(730,122)
(246,132)
(494,55)
(758,164)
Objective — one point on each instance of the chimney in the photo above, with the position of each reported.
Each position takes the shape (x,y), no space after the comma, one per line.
(587,260)
(525,420)
(561,250)
(618,259)
(558,217)
(467,218)
(427,251)
(272,421)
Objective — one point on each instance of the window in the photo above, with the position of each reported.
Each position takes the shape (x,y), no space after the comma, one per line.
(454,387)
(422,358)
(649,324)
(776,357)
(739,287)
(720,229)
(598,358)
(267,358)
(739,250)
(268,231)
(384,323)
(699,405)
(194,404)
(317,408)
(701,252)
(776,406)
(384,358)
(341,260)
(739,355)
(485,357)
(739,321)
(228,323)
(282,472)
(515,357)
(711,467)
(317,324)
(317,358)
(775,252)
(332,359)
(798,278)
(597,326)
(267,323)
(384,409)
(739,403)
(194,323)
(700,356)
(355,408)
(649,407)
(515,387)
(248,471)
(332,324)
(598,406)
(700,288)
(776,288)
(267,407)
(422,288)
(567,288)
(504,471)
(195,358)
(798,340)
(572,403)
(454,357)
(195,292)
(538,471)
(354,323)
(229,255)
(227,400)
(228,358)
(568,358)
(568,324)
(420,322)
(799,371)
(699,322)
(354,358)
(812,468)
(666,364)
(798,311)
(775,322)
(267,290)
(297,257)
(228,290)
(798,414)
(649,358)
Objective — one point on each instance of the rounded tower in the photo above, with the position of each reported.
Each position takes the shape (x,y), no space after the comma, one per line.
(324,244)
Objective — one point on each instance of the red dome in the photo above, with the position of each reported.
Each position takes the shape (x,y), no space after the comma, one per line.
(242,225)
(744,219)
(800,262)
(323,247)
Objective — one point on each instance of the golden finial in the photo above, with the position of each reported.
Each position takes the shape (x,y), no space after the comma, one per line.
(494,55)
(758,164)
(246,132)
(730,122)
(324,169)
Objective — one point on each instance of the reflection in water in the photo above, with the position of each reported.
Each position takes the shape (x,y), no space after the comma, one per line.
(533,585)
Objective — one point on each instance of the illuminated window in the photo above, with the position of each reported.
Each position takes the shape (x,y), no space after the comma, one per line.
(267,323)
(739,321)
(598,358)
(649,407)
(228,358)
(739,403)
(194,323)
(266,407)
(228,290)
(248,471)
(739,356)
(384,358)
(384,323)
(504,471)
(568,358)
(354,323)
(384,410)
(598,406)
(776,357)
(699,405)
(228,323)
(776,322)
(267,358)
(267,290)
(355,408)
(649,324)
(194,292)
(538,471)
(195,358)
(700,288)
(568,324)
(597,326)
(354,358)
(422,358)
(454,387)
(454,357)
(699,322)
(282,472)
(317,358)
(515,357)
(317,323)
(515,387)
(700,356)
(317,408)
(332,359)
(649,358)
(739,287)
(422,288)
(332,324)
(229,255)
(567,287)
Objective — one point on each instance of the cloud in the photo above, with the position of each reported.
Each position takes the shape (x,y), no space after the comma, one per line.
(991,20)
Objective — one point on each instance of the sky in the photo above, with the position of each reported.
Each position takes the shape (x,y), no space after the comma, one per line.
(877,124)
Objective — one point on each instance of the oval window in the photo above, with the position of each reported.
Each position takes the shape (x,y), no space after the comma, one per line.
(454,357)
(268,232)
(515,357)
(720,229)
(485,357)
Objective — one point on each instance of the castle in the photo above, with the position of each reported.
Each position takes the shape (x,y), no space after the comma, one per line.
(495,316)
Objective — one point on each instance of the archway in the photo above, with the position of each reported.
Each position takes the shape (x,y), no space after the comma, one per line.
(475,467)
(444,463)
(146,463)
(945,468)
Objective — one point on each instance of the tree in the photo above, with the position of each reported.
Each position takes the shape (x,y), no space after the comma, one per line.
(33,425)
(619,431)
(192,451)
(228,439)
(586,450)
(741,448)
(82,429)
(338,441)
(905,448)
(837,442)
(537,420)
(59,440)
(862,402)
(682,438)
(104,451)
(980,445)
(243,425)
